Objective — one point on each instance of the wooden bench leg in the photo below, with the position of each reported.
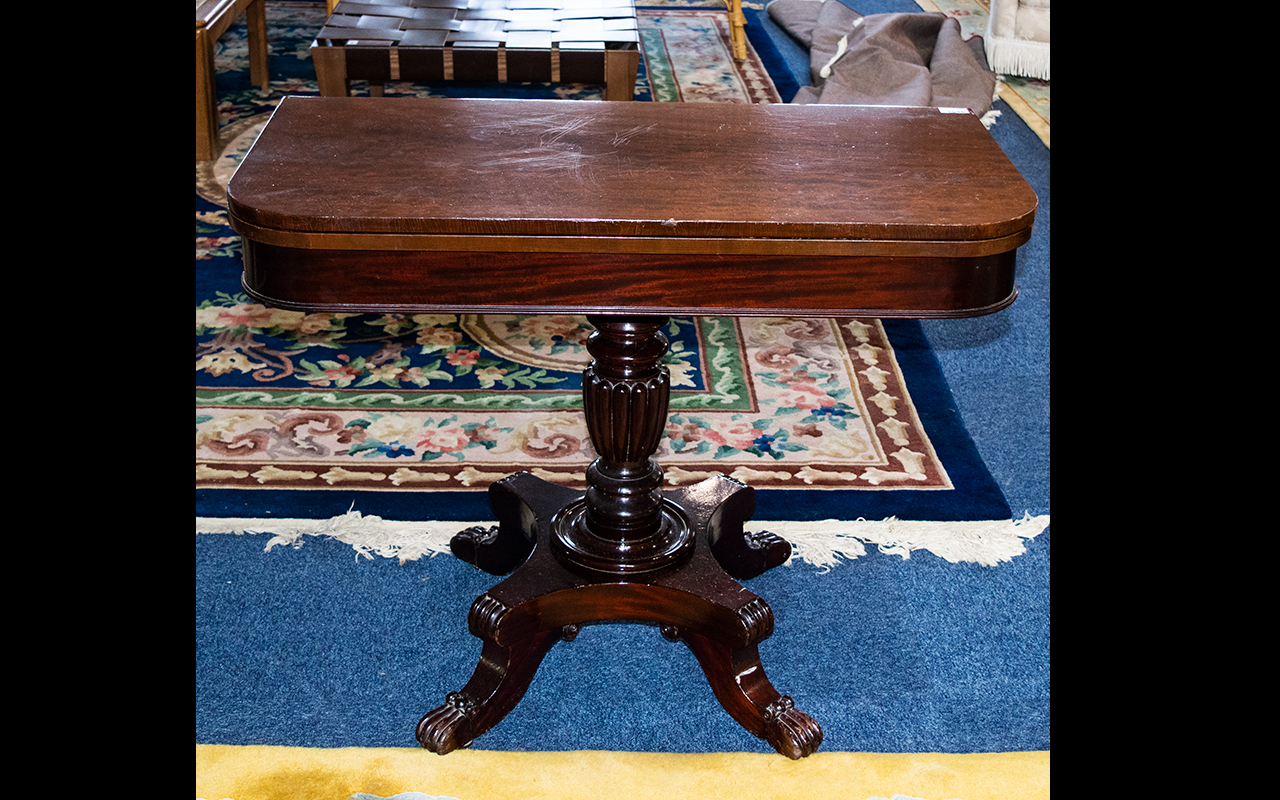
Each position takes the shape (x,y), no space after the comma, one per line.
(206,89)
(620,70)
(206,98)
(331,70)
(256,17)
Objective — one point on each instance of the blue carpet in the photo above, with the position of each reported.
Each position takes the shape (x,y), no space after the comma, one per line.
(998,366)
(314,647)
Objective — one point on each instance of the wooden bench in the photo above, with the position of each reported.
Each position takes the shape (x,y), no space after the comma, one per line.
(626,212)
(518,41)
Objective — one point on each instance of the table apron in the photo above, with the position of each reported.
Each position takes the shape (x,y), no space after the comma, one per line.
(398,281)
(634,245)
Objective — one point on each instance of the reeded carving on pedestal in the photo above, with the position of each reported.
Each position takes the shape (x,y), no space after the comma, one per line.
(757,620)
(626,418)
(486,614)
(625,396)
(623,526)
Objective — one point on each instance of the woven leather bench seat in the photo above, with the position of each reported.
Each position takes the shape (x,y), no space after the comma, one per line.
(539,41)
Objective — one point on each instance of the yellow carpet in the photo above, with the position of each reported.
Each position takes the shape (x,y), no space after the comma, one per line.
(285,773)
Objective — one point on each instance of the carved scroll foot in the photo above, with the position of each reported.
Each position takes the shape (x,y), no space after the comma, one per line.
(791,732)
(500,681)
(445,729)
(501,548)
(731,503)
(747,555)
(480,547)
(737,678)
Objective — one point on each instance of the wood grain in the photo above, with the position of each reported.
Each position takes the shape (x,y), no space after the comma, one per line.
(358,204)
(558,168)
(582,283)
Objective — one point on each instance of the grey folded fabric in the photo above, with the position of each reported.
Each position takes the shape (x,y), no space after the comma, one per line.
(886,59)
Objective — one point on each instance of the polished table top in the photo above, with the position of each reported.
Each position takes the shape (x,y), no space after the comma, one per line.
(574,206)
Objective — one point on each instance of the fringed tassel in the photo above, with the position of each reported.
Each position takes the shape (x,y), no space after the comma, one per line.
(988,119)
(841,48)
(822,544)
(1018,57)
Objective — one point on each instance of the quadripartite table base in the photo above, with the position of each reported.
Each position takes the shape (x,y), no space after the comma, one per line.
(623,552)
(627,213)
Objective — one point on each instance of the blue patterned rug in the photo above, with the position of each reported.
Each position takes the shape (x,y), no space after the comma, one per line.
(411,418)
(906,642)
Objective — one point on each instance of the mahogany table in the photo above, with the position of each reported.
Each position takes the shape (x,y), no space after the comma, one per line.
(626,212)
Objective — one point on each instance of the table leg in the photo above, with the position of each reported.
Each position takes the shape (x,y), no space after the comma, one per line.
(624,552)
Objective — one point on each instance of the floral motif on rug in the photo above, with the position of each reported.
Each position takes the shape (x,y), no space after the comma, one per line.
(447,402)
(442,401)
(690,59)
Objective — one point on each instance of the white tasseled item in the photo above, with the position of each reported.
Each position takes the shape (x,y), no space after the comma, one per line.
(822,544)
(1015,57)
(407,541)
(841,48)
(988,119)
(1017,38)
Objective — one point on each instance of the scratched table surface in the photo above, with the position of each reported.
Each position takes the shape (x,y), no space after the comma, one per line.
(589,200)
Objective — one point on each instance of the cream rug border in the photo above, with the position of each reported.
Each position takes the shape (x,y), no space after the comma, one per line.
(822,544)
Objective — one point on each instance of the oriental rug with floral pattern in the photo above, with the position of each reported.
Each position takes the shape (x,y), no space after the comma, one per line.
(392,402)
(396,404)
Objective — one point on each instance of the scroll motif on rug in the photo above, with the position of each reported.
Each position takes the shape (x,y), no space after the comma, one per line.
(453,402)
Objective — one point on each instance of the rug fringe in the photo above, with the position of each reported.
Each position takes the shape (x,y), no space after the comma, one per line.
(825,544)
(822,544)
